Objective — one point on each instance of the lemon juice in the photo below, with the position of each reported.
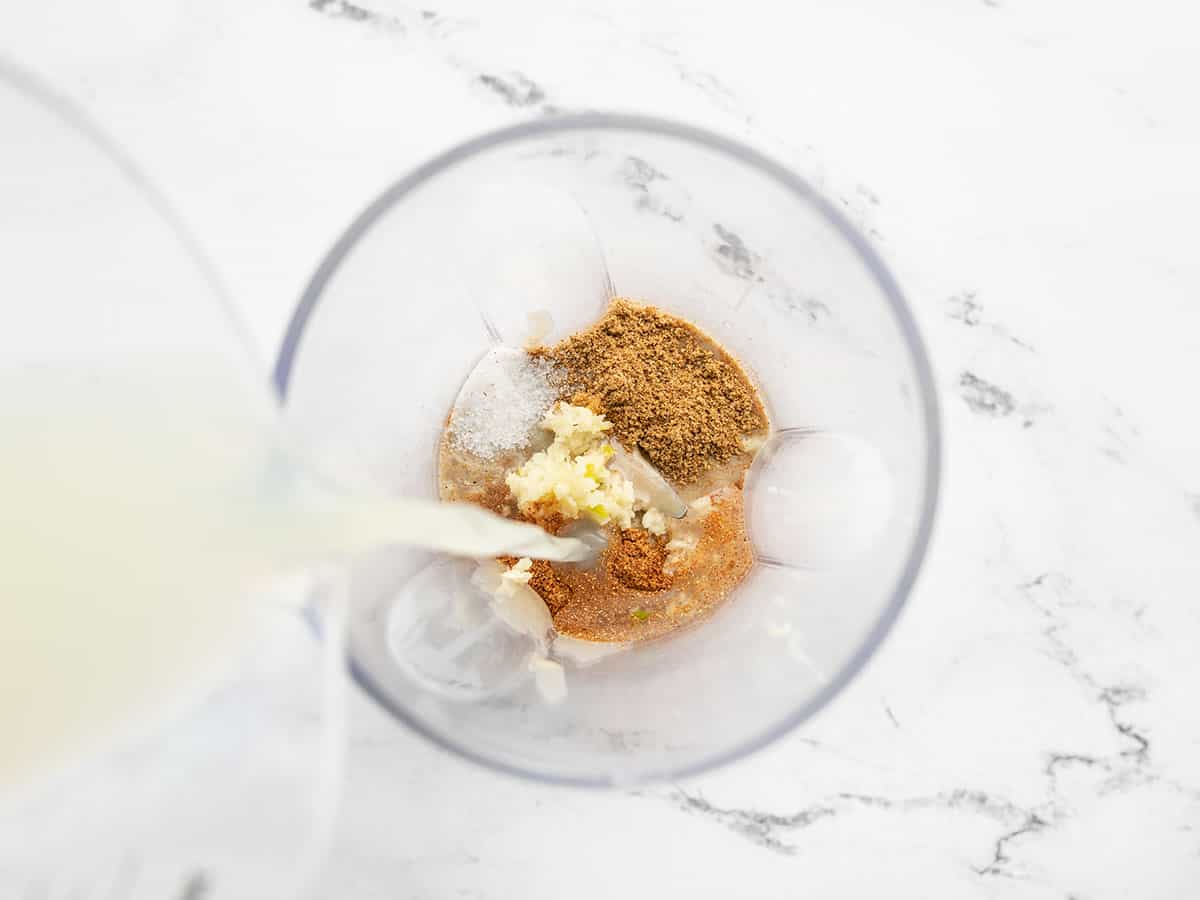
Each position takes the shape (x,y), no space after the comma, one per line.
(139,506)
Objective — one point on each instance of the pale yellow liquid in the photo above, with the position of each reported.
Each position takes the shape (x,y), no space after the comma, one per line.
(137,510)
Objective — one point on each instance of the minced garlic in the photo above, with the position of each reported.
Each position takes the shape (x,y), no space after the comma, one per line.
(654,522)
(549,678)
(572,476)
(518,574)
(576,427)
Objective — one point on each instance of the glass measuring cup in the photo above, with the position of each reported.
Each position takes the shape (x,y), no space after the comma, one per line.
(158,697)
(711,230)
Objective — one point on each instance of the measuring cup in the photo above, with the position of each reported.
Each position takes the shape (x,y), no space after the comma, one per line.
(171,718)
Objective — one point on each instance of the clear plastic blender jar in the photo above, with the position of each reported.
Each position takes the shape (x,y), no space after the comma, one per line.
(841,498)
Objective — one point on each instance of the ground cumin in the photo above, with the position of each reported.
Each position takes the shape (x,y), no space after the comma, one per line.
(665,387)
(548,586)
(636,559)
(591,401)
(543,513)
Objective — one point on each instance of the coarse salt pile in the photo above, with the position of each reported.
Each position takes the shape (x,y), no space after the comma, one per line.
(501,403)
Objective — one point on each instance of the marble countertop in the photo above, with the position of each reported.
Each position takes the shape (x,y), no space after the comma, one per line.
(1030,729)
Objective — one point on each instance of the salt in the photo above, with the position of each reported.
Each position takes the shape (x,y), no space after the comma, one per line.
(501,402)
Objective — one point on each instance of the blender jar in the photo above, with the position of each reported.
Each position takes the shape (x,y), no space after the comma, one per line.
(840,500)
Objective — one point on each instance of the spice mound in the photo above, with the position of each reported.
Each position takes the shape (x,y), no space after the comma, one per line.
(638,559)
(667,388)
(620,428)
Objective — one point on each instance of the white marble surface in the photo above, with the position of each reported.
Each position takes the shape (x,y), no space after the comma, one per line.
(1028,169)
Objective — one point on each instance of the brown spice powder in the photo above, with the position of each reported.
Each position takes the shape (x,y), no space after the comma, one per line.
(548,586)
(591,401)
(543,513)
(665,387)
(636,560)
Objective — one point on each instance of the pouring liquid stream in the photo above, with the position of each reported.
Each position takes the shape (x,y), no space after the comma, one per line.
(140,506)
